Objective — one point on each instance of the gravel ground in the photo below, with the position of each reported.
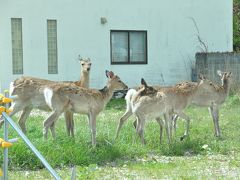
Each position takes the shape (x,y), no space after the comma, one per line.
(151,167)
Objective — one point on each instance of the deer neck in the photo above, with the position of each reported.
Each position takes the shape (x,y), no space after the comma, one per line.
(84,80)
(107,93)
(226,86)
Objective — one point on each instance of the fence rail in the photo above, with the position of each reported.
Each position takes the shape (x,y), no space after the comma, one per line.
(7,121)
(209,63)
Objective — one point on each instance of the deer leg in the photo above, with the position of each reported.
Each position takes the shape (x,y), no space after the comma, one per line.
(184,116)
(52,128)
(23,118)
(93,128)
(89,122)
(137,126)
(72,125)
(123,119)
(215,116)
(161,124)
(174,121)
(214,120)
(167,127)
(49,121)
(69,122)
(140,129)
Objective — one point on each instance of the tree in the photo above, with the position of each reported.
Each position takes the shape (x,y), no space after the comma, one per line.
(236,25)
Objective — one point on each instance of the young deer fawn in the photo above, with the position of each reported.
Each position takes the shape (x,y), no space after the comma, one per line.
(177,98)
(29,95)
(147,103)
(61,98)
(213,98)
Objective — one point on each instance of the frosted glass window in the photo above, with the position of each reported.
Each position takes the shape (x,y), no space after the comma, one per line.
(119,46)
(137,46)
(128,47)
(52,46)
(17,47)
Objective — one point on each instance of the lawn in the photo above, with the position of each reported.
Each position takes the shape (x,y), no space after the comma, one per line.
(201,155)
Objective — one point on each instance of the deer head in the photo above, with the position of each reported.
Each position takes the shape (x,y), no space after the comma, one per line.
(86,64)
(114,81)
(145,89)
(225,76)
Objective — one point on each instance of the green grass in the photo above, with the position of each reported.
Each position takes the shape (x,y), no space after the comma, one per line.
(129,158)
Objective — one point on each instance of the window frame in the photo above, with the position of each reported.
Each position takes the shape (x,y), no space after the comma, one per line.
(128,60)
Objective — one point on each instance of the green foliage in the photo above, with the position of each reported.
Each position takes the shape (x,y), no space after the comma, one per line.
(236,25)
(65,151)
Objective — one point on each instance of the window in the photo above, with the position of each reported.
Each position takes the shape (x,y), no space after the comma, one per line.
(52,46)
(128,47)
(17,47)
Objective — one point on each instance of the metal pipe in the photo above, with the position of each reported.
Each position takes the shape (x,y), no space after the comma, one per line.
(5,154)
(30,145)
(73,176)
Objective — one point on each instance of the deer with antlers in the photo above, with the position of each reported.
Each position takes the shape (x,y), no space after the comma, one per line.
(29,95)
(61,98)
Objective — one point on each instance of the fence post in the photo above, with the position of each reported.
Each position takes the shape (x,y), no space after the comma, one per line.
(7,121)
(5,160)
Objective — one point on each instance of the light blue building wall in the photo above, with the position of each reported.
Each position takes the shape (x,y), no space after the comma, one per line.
(171,36)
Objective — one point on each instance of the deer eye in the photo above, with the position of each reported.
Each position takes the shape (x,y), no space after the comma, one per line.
(119,81)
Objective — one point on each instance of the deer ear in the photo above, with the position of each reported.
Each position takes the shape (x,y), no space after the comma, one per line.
(219,73)
(79,57)
(106,72)
(143,82)
(109,74)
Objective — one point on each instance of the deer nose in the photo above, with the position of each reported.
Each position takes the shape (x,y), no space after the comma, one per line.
(88,69)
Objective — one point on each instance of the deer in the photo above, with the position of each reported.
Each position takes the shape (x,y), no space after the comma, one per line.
(65,97)
(146,103)
(83,82)
(213,99)
(178,98)
(29,96)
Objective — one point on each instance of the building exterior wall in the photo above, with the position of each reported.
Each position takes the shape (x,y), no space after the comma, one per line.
(171,35)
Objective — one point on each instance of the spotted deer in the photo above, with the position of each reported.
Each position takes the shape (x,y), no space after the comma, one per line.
(178,98)
(146,103)
(83,82)
(213,98)
(61,98)
(29,95)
